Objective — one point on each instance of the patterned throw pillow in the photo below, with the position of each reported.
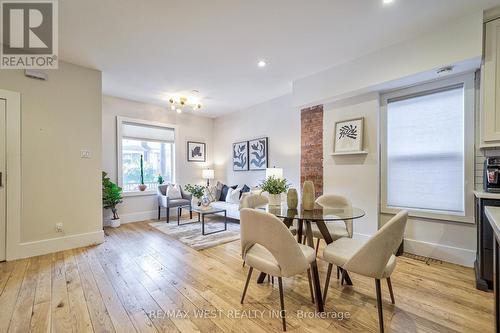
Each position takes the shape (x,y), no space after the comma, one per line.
(219,190)
(211,193)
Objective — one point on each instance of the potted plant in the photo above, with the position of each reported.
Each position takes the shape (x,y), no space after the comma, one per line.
(274,186)
(197,191)
(142,187)
(160,179)
(111,196)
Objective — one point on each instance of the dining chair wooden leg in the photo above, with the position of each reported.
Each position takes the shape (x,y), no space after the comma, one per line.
(327,282)
(246,284)
(272,280)
(379,305)
(389,284)
(159,212)
(342,279)
(338,272)
(269,279)
(282,303)
(243,263)
(310,284)
(317,246)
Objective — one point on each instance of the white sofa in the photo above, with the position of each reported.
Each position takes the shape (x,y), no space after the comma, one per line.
(232,209)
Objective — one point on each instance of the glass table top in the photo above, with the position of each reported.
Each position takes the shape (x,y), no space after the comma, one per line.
(319,213)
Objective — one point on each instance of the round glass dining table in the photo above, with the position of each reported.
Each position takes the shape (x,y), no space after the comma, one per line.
(320,215)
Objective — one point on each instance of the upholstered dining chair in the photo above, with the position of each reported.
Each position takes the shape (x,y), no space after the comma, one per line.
(337,229)
(249,200)
(165,202)
(373,258)
(269,247)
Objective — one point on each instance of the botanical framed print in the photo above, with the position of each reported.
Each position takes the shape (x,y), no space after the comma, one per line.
(240,156)
(258,153)
(348,136)
(196,151)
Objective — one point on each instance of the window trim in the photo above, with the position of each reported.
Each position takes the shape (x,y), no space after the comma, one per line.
(467,80)
(119,122)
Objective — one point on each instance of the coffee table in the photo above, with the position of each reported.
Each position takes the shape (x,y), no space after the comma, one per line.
(202,212)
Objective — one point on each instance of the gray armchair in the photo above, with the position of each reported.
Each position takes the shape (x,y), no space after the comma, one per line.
(165,202)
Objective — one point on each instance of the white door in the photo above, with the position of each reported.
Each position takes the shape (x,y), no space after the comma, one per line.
(3,194)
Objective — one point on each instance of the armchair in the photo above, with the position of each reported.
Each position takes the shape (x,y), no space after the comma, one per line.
(165,202)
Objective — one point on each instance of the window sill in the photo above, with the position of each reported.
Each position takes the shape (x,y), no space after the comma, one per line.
(138,193)
(430,215)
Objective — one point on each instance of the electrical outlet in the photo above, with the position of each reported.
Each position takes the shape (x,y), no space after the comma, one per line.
(85,153)
(59,227)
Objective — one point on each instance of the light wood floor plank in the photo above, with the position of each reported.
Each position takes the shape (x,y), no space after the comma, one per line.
(8,299)
(140,277)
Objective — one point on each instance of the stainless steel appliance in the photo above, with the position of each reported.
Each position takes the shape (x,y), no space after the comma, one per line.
(492,174)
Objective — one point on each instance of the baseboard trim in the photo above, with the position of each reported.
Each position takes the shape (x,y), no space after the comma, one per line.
(141,216)
(455,255)
(36,248)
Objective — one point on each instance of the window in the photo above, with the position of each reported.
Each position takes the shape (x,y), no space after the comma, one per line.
(426,149)
(155,143)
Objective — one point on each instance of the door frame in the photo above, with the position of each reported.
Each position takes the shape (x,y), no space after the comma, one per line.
(13,177)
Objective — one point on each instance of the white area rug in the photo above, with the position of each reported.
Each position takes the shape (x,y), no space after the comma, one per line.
(190,233)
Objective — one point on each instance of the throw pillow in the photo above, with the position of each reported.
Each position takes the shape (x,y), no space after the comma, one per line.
(174,192)
(211,193)
(233,195)
(223,193)
(219,190)
(245,189)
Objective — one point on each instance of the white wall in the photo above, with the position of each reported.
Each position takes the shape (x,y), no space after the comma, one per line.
(458,42)
(277,120)
(59,117)
(190,127)
(354,176)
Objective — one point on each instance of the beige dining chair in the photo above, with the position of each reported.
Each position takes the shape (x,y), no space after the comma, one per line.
(268,246)
(253,200)
(337,229)
(373,258)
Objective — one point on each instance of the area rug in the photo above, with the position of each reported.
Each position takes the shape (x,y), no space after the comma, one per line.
(189,232)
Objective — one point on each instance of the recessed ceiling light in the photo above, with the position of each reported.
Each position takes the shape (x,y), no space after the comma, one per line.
(262,63)
(387,1)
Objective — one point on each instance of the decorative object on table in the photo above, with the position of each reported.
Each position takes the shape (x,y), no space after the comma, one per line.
(196,151)
(240,156)
(348,136)
(208,174)
(292,198)
(205,201)
(258,153)
(111,196)
(197,191)
(142,187)
(275,187)
(160,179)
(308,195)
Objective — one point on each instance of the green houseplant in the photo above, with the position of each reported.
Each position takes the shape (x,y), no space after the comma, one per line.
(142,187)
(111,197)
(196,190)
(160,179)
(275,187)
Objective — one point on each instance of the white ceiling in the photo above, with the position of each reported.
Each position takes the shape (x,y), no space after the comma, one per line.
(148,49)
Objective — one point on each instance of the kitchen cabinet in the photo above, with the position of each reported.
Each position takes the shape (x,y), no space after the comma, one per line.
(490,99)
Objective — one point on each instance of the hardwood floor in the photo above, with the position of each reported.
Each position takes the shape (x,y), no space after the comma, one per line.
(142,280)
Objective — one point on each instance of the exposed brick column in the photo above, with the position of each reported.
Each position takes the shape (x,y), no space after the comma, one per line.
(311,147)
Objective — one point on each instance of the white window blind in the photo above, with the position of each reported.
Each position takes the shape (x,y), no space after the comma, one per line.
(147,132)
(425,151)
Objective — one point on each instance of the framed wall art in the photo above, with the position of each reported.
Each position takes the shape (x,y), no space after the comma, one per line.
(196,151)
(258,154)
(240,156)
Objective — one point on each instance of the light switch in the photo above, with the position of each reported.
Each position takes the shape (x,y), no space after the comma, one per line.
(85,154)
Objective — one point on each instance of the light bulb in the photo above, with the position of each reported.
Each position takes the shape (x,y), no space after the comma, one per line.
(179,110)
(172,107)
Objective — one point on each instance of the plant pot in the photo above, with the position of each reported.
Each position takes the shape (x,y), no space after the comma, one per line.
(275,199)
(142,187)
(115,223)
(195,202)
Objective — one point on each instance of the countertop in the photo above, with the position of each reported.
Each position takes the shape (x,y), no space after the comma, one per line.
(486,195)
(493,215)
